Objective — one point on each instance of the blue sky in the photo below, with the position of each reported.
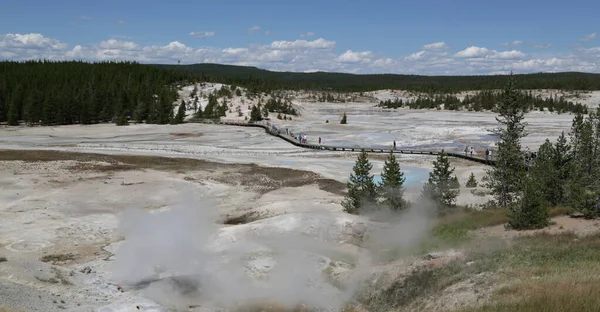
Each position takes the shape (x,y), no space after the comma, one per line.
(381,36)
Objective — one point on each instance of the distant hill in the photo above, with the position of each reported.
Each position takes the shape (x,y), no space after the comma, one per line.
(253,77)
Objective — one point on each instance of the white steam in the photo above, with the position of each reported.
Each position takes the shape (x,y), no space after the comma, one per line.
(181,257)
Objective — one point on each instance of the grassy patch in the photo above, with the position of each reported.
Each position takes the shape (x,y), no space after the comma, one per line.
(544,272)
(418,284)
(455,226)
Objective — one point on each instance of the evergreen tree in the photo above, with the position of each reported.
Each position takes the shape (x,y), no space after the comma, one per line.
(13,114)
(392,184)
(255,114)
(211,109)
(472,182)
(180,113)
(505,178)
(362,191)
(562,161)
(344,119)
(543,171)
(439,186)
(531,210)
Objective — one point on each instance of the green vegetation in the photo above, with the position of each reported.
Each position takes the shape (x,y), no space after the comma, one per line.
(506,178)
(259,80)
(53,93)
(488,100)
(441,185)
(362,191)
(391,188)
(472,182)
(344,119)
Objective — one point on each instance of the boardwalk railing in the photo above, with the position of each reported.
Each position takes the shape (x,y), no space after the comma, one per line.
(292,138)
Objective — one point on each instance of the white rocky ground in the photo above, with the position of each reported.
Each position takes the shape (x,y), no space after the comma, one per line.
(70,212)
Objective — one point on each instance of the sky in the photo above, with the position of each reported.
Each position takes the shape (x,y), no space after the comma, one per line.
(426,37)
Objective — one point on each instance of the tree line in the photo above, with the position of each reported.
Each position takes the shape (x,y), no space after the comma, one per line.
(84,93)
(487,100)
(260,80)
(564,173)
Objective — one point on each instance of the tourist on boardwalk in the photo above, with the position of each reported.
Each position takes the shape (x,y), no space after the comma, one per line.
(319,140)
(466,151)
(487,154)
(394,144)
(472,151)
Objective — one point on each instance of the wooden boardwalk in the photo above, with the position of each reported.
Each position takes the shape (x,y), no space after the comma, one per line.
(292,139)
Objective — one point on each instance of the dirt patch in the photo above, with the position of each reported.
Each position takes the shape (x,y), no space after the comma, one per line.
(560,225)
(261,179)
(58,258)
(95,167)
(185,135)
(242,219)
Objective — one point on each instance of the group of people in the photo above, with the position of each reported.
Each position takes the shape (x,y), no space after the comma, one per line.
(470,150)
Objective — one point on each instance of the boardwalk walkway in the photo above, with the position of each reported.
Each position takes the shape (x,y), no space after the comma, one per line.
(292,139)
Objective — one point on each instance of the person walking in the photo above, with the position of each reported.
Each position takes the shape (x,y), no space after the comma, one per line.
(319,140)
(472,150)
(394,144)
(466,151)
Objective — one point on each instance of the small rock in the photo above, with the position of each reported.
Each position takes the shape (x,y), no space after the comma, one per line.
(434,255)
(470,263)
(86,270)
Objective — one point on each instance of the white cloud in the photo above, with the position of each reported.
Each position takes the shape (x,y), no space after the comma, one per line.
(121,22)
(84,17)
(307,35)
(514,43)
(267,32)
(542,46)
(202,34)
(473,52)
(415,56)
(355,57)
(436,46)
(253,29)
(306,55)
(303,44)
(588,37)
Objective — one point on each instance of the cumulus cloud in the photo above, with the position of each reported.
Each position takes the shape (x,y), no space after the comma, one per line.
(542,46)
(436,46)
(355,57)
(202,34)
(253,29)
(478,52)
(588,37)
(305,55)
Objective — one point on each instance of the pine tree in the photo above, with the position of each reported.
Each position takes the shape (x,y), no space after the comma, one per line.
(392,184)
(562,161)
(472,182)
(531,210)
(544,173)
(255,114)
(439,185)
(344,119)
(505,178)
(180,113)
(362,191)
